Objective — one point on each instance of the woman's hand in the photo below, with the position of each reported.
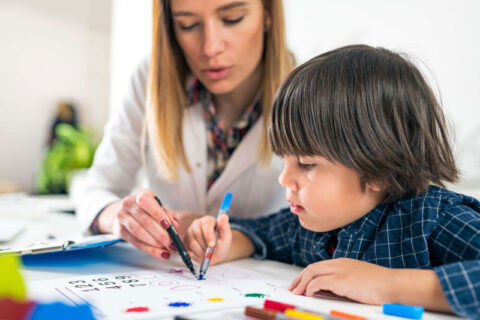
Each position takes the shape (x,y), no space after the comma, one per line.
(201,235)
(140,220)
(357,280)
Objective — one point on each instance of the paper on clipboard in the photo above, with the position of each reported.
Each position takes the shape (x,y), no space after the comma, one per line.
(76,243)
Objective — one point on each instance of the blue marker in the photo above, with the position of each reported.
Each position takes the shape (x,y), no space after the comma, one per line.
(227,199)
(402,310)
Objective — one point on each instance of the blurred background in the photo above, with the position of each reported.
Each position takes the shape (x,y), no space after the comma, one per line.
(64,65)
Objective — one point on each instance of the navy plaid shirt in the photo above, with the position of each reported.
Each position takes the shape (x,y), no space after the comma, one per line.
(438,230)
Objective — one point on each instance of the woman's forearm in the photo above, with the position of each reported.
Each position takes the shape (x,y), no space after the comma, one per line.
(106,217)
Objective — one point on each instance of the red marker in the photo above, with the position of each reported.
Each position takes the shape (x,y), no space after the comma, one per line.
(282,307)
(279,306)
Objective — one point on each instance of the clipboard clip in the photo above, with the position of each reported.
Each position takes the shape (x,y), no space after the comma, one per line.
(37,248)
(78,243)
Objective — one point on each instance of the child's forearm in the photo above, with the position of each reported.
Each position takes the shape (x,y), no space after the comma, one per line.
(241,246)
(418,287)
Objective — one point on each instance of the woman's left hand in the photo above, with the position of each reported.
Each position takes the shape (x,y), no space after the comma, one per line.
(357,280)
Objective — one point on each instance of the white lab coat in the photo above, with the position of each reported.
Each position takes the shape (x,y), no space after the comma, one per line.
(113,174)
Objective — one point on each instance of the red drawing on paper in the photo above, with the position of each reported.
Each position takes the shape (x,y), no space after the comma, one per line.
(164,283)
(138,309)
(184,287)
(179,271)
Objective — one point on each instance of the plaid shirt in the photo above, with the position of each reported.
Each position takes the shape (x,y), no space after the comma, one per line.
(221,144)
(438,230)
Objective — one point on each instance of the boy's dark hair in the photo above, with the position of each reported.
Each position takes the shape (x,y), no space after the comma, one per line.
(370,110)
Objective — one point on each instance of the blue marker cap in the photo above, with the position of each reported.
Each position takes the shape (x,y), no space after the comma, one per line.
(403,310)
(227,199)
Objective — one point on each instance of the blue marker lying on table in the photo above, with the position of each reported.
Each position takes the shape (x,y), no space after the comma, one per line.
(227,199)
(403,310)
(172,232)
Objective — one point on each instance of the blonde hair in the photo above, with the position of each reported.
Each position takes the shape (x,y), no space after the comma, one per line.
(166,96)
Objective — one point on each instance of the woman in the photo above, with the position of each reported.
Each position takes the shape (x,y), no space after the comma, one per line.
(194,120)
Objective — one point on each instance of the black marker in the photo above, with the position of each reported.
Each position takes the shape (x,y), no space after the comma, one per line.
(172,232)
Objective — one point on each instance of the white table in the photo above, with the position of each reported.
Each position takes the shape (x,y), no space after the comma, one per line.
(125,258)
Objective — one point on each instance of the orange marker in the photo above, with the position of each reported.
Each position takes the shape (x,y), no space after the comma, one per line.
(346,315)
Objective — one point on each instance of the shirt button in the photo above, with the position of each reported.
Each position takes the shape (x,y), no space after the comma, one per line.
(199,164)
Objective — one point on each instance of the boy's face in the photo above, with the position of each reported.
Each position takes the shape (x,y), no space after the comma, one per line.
(326,195)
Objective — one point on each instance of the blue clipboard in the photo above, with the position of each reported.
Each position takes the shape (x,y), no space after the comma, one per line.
(79,243)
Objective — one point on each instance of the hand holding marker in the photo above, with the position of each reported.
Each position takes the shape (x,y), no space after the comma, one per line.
(172,232)
(227,199)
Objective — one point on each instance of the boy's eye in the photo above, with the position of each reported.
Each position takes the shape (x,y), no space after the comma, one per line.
(233,21)
(305,166)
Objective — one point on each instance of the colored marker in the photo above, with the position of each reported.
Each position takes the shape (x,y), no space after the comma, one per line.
(172,232)
(16,309)
(302,315)
(281,307)
(265,314)
(58,310)
(11,280)
(402,310)
(225,206)
(345,315)
(334,314)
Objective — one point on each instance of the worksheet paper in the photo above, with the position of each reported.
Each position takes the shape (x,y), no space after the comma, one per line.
(163,292)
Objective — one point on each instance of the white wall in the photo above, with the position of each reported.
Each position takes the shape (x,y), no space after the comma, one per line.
(131,42)
(49,50)
(443,35)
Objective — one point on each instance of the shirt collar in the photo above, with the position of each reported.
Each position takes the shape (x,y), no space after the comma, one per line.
(367,223)
(197,92)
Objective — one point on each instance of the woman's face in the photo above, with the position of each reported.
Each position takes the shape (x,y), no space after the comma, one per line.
(222,40)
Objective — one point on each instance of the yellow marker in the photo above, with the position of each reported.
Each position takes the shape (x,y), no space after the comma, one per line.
(215,299)
(302,315)
(11,281)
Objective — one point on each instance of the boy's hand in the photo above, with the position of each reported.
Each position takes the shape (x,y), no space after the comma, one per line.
(357,280)
(201,235)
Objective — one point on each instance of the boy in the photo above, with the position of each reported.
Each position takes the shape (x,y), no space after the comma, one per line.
(364,139)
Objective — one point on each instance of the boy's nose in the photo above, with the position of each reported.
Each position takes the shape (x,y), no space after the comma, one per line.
(286,179)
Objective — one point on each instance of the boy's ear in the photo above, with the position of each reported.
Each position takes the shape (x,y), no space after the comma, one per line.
(374,187)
